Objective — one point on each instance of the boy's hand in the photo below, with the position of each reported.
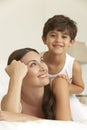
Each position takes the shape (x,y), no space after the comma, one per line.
(64,77)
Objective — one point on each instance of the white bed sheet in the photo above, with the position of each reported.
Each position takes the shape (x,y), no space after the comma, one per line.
(42,125)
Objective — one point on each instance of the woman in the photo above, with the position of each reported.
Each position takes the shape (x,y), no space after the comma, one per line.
(29,91)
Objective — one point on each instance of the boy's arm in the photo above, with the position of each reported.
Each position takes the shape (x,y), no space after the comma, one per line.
(77,85)
(61,91)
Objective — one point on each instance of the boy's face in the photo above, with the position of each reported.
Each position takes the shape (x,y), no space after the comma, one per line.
(58,41)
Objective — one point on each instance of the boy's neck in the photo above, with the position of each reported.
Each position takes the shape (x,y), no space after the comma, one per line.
(54,59)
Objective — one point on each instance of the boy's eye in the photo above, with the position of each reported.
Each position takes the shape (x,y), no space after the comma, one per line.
(64,36)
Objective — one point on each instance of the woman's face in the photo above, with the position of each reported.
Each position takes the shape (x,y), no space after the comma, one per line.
(37,70)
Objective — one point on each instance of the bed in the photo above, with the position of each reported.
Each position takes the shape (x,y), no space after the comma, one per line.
(34,125)
(39,125)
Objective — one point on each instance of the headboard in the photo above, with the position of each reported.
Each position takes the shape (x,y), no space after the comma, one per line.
(79,51)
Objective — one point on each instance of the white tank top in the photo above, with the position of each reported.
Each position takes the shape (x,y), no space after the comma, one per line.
(67,69)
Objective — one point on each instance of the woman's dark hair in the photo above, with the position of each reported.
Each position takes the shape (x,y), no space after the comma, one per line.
(48,104)
(18,54)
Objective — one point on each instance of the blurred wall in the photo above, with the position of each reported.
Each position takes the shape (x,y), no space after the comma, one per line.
(21,21)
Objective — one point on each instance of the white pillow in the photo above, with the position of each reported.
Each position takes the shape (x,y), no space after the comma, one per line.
(4,79)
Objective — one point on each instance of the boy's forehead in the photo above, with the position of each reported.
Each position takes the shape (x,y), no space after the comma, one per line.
(65,31)
(62,29)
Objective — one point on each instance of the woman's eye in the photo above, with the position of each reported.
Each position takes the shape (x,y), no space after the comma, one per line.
(42,61)
(33,64)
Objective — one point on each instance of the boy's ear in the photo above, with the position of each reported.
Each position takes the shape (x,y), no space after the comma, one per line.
(44,40)
(71,43)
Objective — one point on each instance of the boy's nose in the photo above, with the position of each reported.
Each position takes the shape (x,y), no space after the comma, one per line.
(58,39)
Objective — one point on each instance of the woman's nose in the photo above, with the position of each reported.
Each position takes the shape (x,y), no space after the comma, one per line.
(42,67)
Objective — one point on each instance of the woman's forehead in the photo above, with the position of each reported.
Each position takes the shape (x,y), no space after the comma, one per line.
(30,56)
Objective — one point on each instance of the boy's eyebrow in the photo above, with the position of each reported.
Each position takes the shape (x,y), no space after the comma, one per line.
(52,31)
(65,33)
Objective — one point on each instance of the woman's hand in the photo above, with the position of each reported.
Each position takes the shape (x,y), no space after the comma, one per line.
(16,69)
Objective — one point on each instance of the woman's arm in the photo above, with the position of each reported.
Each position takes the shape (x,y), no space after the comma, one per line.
(11,101)
(10,116)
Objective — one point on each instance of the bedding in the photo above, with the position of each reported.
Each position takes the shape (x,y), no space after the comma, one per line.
(45,124)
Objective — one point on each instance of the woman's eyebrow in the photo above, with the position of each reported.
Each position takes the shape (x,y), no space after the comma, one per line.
(33,60)
(30,61)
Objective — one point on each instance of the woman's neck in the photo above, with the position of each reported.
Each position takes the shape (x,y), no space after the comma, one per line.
(33,95)
(32,102)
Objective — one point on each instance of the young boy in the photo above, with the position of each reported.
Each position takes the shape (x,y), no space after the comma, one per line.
(59,34)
